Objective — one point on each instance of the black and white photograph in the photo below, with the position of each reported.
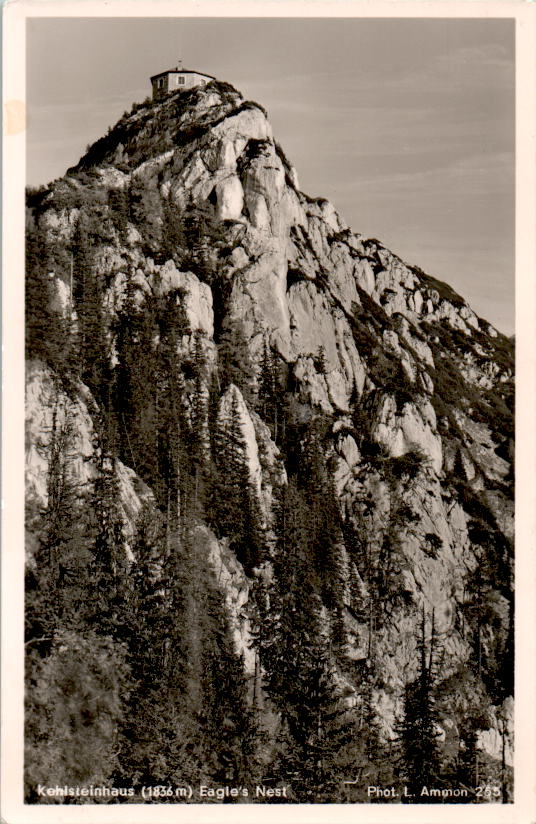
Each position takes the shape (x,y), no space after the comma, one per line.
(268,270)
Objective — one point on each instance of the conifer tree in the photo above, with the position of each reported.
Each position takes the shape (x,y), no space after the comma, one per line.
(235,363)
(189,718)
(316,728)
(200,441)
(316,735)
(420,751)
(231,728)
(289,617)
(196,232)
(203,237)
(48,335)
(371,761)
(158,731)
(135,385)
(173,241)
(76,673)
(92,324)
(324,516)
(150,399)
(108,599)
(468,773)
(149,597)
(37,304)
(57,577)
(172,426)
(321,365)
(236,508)
(119,208)
(269,397)
(125,400)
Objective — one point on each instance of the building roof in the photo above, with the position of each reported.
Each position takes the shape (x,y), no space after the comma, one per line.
(182,71)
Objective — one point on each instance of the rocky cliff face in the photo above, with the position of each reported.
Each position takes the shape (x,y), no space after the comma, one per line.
(193,196)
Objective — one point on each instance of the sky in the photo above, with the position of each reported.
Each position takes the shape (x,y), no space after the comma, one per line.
(406,125)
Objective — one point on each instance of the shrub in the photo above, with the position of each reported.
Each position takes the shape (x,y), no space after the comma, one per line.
(294,276)
(254,148)
(443,289)
(340,237)
(74,702)
(432,544)
(373,310)
(407,515)
(250,104)
(408,465)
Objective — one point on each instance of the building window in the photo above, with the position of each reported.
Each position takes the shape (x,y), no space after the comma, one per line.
(180,81)
(160,82)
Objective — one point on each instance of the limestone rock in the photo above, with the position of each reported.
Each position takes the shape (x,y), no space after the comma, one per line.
(230,198)
(198,296)
(48,406)
(414,427)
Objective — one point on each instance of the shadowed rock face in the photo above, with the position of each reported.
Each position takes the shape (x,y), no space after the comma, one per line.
(416,387)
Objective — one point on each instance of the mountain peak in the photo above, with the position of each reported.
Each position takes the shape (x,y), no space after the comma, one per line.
(169,120)
(320,426)
(291,269)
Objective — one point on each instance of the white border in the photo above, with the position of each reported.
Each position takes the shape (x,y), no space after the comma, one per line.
(523,811)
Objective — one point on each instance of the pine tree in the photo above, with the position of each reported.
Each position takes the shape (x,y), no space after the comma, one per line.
(468,761)
(290,607)
(149,597)
(189,718)
(204,235)
(235,363)
(150,393)
(231,727)
(317,732)
(158,729)
(200,441)
(420,752)
(321,365)
(196,232)
(92,324)
(135,383)
(172,425)
(490,602)
(173,241)
(76,674)
(371,761)
(236,511)
(324,516)
(48,335)
(269,396)
(57,577)
(107,601)
(315,725)
(119,208)
(126,343)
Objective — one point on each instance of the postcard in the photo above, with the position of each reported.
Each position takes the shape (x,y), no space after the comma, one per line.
(268,385)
